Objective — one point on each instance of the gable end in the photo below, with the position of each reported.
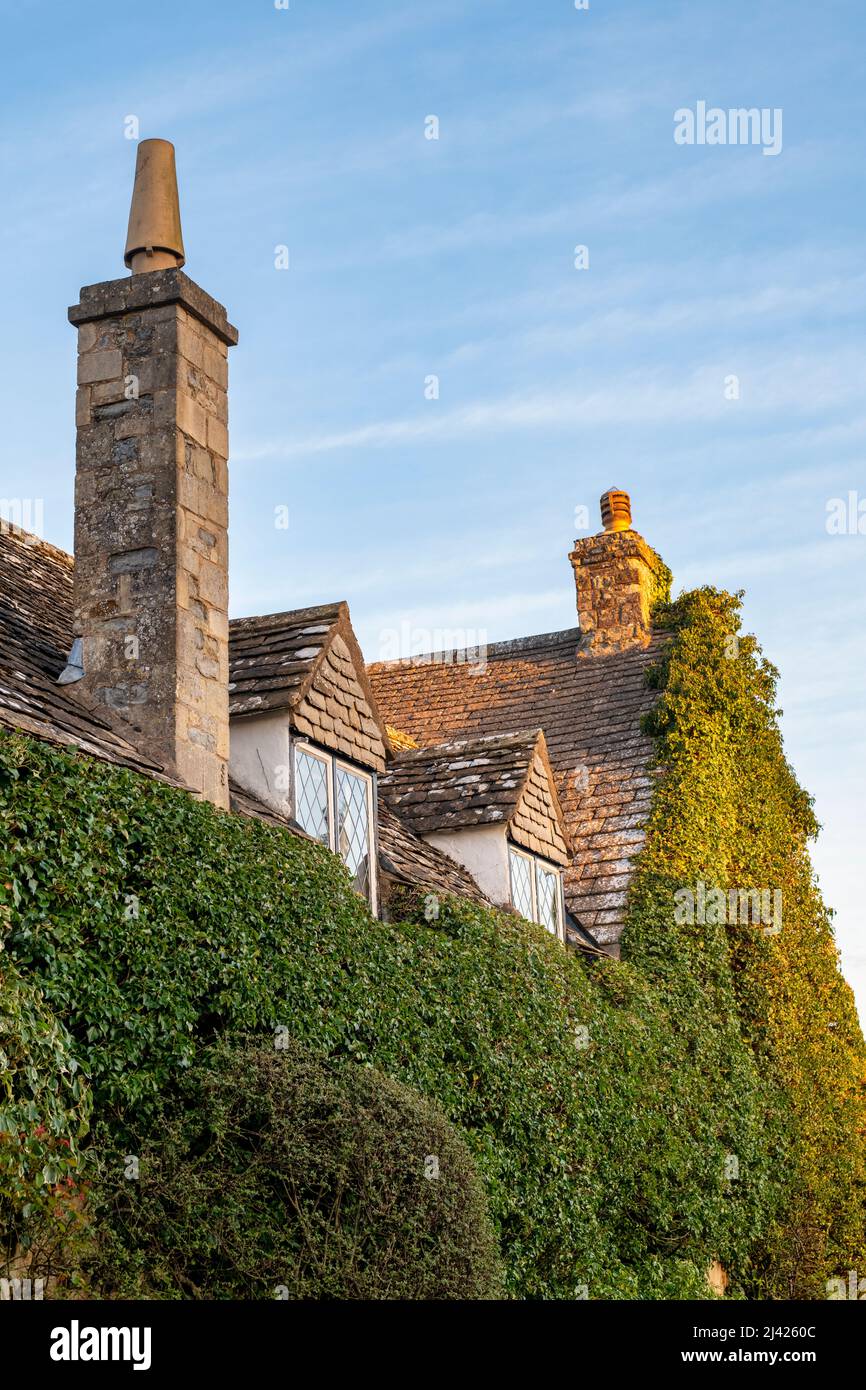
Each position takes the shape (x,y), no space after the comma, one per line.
(335,712)
(537,821)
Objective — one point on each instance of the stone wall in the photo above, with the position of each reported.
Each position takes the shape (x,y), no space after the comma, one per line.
(151,517)
(618,578)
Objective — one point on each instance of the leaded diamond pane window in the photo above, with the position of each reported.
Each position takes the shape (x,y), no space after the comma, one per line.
(353,827)
(334,804)
(547,882)
(536,890)
(521,884)
(311,795)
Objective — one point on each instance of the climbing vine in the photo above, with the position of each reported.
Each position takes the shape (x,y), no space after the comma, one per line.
(729,816)
(632,1121)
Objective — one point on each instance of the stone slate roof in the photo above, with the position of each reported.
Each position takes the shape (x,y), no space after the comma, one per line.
(245,804)
(271,657)
(473,782)
(309,664)
(407,857)
(462,783)
(35,637)
(589,707)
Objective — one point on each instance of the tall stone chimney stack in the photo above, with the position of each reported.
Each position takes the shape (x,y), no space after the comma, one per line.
(618,578)
(151,494)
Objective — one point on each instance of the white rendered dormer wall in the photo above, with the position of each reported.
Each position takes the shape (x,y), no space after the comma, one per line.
(483,850)
(259,759)
(506,873)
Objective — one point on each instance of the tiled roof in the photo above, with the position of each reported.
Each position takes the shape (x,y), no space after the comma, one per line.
(478,781)
(407,857)
(589,708)
(35,637)
(270,657)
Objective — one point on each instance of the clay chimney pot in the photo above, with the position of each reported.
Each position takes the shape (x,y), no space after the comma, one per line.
(616,510)
(154,240)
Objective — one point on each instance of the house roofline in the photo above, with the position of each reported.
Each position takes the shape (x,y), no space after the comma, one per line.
(449,655)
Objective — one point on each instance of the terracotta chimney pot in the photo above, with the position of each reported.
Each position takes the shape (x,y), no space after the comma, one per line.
(616,510)
(154,240)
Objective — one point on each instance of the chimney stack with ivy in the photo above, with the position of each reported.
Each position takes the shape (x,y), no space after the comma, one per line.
(151,494)
(618,578)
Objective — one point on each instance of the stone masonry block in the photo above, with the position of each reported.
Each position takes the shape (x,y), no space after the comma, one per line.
(217,437)
(191,418)
(99,366)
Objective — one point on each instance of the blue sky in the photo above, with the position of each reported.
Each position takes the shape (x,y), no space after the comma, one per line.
(411,257)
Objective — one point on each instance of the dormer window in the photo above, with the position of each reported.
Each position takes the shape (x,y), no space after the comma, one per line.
(491,804)
(536,889)
(306,737)
(334,803)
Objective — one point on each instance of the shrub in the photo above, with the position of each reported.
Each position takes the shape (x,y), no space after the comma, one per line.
(275,1173)
(155,923)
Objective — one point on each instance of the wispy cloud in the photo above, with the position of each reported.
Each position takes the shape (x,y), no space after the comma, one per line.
(802,385)
(501,617)
(760,311)
(613,202)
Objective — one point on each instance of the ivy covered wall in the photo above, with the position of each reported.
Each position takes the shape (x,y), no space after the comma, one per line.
(700,1099)
(728,814)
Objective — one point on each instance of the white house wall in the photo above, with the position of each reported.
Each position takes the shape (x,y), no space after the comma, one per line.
(259,759)
(484,852)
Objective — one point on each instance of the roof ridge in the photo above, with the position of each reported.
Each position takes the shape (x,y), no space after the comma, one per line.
(529,735)
(290,614)
(451,655)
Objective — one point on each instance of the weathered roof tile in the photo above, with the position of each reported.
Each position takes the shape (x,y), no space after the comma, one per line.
(35,637)
(589,707)
(481,781)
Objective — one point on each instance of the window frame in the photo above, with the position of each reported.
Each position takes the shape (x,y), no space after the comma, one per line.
(372,842)
(333,762)
(535,862)
(515,853)
(559,895)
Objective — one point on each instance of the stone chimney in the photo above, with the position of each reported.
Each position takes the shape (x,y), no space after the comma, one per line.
(151,495)
(618,578)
